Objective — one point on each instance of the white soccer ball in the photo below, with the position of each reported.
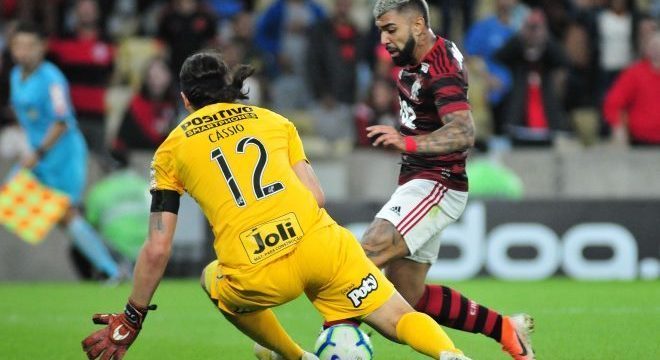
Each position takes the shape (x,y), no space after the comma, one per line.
(343,342)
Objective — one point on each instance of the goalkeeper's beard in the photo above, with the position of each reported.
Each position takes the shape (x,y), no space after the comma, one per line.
(405,56)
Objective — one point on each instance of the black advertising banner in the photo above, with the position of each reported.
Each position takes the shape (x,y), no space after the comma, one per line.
(530,240)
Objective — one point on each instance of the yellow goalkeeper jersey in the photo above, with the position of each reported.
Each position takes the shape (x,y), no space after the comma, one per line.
(236,162)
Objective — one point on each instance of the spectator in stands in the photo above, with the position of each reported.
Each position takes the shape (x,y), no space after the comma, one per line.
(333,122)
(186,27)
(6,63)
(7,9)
(242,31)
(226,9)
(50,14)
(557,12)
(281,33)
(647,26)
(655,9)
(151,13)
(331,67)
(616,31)
(483,39)
(124,19)
(333,56)
(535,59)
(467,10)
(234,56)
(581,88)
(631,105)
(380,108)
(86,58)
(151,113)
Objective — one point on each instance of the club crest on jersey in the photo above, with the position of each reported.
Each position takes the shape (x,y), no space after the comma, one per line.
(425,68)
(368,285)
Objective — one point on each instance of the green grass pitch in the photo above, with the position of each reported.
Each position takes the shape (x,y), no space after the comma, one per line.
(574,320)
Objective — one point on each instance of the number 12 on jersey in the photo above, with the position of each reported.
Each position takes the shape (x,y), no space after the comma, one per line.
(260,191)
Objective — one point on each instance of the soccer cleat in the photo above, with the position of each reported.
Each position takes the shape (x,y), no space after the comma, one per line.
(309,356)
(451,355)
(263,353)
(516,330)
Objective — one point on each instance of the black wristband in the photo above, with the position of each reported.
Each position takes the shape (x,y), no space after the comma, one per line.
(136,314)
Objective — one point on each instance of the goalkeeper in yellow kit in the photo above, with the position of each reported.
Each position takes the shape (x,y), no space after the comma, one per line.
(246,168)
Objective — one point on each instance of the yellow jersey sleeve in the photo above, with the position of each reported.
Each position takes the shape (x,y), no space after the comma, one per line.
(163,169)
(296,151)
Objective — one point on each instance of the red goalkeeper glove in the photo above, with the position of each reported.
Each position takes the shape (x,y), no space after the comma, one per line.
(112,341)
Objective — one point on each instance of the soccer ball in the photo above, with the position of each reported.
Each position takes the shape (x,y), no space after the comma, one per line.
(343,342)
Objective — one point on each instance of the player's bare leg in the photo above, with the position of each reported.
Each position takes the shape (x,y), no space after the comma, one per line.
(383,243)
(385,246)
(408,277)
(397,321)
(263,327)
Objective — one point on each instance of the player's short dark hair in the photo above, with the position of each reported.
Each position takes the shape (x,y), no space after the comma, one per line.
(420,6)
(206,79)
(28,27)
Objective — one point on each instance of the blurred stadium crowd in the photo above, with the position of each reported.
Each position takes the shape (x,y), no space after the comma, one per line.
(540,71)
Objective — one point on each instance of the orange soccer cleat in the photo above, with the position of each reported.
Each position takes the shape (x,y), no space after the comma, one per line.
(516,330)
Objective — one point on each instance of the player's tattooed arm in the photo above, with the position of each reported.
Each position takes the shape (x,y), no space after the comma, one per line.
(156,223)
(153,257)
(456,135)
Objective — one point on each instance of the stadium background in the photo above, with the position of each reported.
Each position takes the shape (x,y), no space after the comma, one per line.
(581,206)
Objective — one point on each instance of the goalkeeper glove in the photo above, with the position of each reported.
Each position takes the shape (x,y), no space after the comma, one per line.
(112,341)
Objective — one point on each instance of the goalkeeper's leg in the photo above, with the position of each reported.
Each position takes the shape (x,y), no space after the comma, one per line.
(397,321)
(262,326)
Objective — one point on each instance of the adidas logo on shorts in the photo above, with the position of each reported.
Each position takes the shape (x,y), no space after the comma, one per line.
(396,210)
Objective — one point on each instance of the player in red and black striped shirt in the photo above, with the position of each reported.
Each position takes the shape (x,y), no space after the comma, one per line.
(436,133)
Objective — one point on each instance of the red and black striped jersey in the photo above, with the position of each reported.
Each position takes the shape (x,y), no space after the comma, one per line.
(428,91)
(88,64)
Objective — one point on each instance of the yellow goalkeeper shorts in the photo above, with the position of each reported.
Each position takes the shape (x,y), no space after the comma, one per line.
(329,265)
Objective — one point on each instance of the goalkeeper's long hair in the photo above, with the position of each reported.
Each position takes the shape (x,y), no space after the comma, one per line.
(206,79)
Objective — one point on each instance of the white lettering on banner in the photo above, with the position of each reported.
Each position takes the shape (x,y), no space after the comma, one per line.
(537,236)
(622,265)
(479,249)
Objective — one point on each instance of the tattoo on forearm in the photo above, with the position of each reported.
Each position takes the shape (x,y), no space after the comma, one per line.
(456,135)
(157,222)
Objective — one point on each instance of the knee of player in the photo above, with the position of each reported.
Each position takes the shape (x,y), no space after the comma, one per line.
(381,234)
